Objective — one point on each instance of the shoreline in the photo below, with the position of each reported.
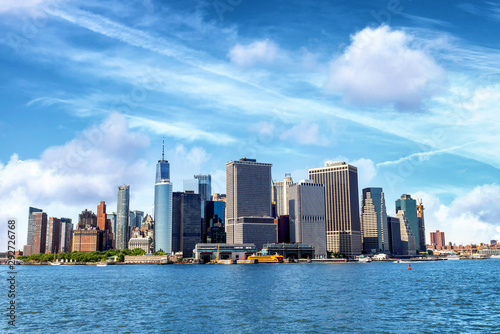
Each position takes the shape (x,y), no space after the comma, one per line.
(300,261)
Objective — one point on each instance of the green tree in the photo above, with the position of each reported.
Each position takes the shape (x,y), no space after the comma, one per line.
(120,257)
(138,252)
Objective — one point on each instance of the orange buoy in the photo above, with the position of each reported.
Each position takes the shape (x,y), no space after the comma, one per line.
(409,266)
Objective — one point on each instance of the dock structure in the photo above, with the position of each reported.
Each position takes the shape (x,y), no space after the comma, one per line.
(208,252)
(291,251)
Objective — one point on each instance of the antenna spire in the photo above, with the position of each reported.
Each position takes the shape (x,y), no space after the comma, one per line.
(163,150)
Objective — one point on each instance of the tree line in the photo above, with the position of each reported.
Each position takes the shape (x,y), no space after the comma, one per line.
(85,256)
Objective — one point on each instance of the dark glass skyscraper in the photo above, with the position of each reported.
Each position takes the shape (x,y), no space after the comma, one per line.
(163,167)
(213,219)
(186,222)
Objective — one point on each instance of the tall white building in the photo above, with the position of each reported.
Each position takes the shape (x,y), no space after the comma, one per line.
(307,215)
(343,230)
(281,189)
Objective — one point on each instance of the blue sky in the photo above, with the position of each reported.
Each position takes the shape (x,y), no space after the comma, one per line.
(406,91)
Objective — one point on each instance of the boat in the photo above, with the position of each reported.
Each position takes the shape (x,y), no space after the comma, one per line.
(263,257)
(452,257)
(102,264)
(364,259)
(55,263)
(495,256)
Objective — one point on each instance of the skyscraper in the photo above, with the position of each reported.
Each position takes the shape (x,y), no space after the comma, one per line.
(409,206)
(408,245)
(131,221)
(139,216)
(213,221)
(280,190)
(421,224)
(306,205)
(163,216)
(394,226)
(248,203)
(186,222)
(86,220)
(66,243)
(102,219)
(104,225)
(87,237)
(30,242)
(112,218)
(343,233)
(53,235)
(40,242)
(163,167)
(248,189)
(375,232)
(437,240)
(204,186)
(122,216)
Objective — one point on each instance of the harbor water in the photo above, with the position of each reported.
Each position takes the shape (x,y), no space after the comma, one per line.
(379,297)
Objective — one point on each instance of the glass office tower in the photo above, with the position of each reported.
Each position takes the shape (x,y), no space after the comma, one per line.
(163,216)
(122,217)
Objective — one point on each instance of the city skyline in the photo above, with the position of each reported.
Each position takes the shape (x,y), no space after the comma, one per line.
(89,92)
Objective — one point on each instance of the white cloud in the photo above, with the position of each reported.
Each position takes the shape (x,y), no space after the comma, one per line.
(219,181)
(179,130)
(194,157)
(381,67)
(366,172)
(9,5)
(220,86)
(472,217)
(419,157)
(77,175)
(259,52)
(305,133)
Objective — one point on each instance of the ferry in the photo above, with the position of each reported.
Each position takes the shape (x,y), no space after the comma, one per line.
(263,257)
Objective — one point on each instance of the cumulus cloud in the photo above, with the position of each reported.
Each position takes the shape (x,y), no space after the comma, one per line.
(259,52)
(77,175)
(472,217)
(381,66)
